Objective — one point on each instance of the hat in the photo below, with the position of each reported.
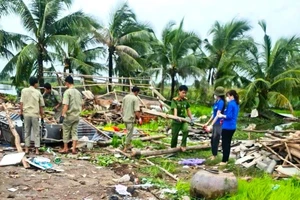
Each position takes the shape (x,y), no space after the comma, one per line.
(219,91)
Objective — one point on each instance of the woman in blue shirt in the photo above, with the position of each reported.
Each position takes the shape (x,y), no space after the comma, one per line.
(215,125)
(229,123)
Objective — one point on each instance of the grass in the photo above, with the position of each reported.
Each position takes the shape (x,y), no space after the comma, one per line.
(266,188)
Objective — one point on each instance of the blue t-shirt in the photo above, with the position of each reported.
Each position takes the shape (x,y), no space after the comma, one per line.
(218,105)
(231,113)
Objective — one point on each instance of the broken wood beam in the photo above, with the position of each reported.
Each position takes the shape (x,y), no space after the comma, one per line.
(279,156)
(156,137)
(136,152)
(270,131)
(15,134)
(162,169)
(168,116)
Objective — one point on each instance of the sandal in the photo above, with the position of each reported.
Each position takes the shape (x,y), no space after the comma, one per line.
(74,152)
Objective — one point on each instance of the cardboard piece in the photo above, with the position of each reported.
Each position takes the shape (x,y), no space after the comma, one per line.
(12,159)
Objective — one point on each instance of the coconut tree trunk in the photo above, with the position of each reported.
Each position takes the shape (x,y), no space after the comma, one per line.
(173,84)
(40,74)
(110,65)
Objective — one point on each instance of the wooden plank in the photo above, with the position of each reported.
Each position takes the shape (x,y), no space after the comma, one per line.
(15,134)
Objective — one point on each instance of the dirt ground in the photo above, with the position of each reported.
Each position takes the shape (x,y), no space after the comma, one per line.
(79,180)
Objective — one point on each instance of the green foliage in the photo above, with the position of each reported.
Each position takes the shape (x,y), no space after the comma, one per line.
(10,98)
(266,188)
(200,110)
(86,112)
(106,160)
(138,143)
(116,141)
(183,188)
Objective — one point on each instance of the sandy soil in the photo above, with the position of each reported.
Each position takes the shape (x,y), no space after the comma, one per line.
(80,180)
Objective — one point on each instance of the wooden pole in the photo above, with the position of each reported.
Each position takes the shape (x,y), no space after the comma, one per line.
(164,115)
(162,169)
(136,152)
(15,134)
(279,156)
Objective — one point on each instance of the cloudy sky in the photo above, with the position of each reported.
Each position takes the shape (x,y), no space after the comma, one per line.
(282,16)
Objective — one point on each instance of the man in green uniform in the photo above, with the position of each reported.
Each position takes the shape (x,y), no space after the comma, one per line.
(52,100)
(31,107)
(180,106)
(72,105)
(130,112)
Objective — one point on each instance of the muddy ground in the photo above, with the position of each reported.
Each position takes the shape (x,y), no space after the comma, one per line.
(79,180)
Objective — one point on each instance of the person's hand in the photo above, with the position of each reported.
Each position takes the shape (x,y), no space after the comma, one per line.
(221,115)
(22,117)
(178,119)
(208,128)
(140,121)
(42,121)
(192,122)
(61,119)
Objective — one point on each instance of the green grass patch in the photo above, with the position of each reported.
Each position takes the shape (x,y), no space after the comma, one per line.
(266,188)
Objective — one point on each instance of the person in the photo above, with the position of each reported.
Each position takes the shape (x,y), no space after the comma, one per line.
(52,99)
(214,123)
(180,106)
(229,123)
(72,105)
(130,112)
(31,106)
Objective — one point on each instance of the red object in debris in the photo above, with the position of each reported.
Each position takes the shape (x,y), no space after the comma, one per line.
(116,128)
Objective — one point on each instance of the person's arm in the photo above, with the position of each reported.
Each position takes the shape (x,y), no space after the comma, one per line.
(137,109)
(65,102)
(65,109)
(41,104)
(21,108)
(189,113)
(220,106)
(229,112)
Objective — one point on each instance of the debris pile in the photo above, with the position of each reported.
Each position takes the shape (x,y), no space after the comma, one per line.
(272,152)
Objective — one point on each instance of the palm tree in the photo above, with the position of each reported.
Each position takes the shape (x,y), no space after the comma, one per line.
(125,38)
(175,54)
(221,58)
(273,75)
(46,31)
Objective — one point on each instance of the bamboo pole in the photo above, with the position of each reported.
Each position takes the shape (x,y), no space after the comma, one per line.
(95,76)
(136,152)
(15,134)
(164,170)
(270,131)
(96,129)
(164,115)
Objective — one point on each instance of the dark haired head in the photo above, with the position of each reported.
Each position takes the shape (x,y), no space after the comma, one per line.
(47,86)
(183,88)
(224,100)
(135,89)
(69,79)
(32,81)
(234,94)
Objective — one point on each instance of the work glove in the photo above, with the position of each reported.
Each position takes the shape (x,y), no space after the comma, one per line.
(192,123)
(61,119)
(22,117)
(42,121)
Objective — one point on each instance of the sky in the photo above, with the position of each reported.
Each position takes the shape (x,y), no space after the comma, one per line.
(282,16)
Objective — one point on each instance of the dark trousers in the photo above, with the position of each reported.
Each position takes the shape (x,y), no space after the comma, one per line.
(215,138)
(226,143)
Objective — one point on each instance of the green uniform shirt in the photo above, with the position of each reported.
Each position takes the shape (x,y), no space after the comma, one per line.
(130,105)
(32,100)
(181,105)
(52,99)
(73,98)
